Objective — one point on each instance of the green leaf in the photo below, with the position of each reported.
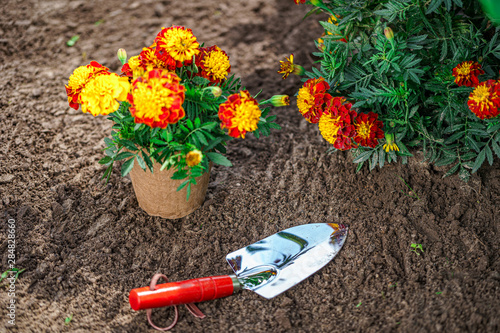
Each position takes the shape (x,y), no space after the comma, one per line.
(201,137)
(141,162)
(452,170)
(496,148)
(434,5)
(148,161)
(446,161)
(184,183)
(188,191)
(464,175)
(127,166)
(363,156)
(129,145)
(123,155)
(105,160)
(489,154)
(479,160)
(189,124)
(219,159)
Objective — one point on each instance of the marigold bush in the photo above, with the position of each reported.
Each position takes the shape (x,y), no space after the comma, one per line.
(414,74)
(172,104)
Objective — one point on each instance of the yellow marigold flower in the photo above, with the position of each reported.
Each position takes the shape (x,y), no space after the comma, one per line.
(287,67)
(100,95)
(194,157)
(240,114)
(390,145)
(80,77)
(214,64)
(156,99)
(178,42)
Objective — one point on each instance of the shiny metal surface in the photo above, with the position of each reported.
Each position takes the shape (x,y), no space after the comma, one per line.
(278,262)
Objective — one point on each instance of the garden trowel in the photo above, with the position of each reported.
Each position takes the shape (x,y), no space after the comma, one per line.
(267,267)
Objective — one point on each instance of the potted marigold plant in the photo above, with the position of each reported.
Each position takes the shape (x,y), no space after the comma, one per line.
(174,107)
(399,74)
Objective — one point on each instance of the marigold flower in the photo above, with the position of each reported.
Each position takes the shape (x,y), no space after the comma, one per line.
(153,58)
(311,97)
(390,143)
(287,67)
(368,129)
(484,101)
(213,63)
(298,2)
(101,93)
(336,123)
(80,77)
(156,99)
(467,72)
(239,114)
(193,157)
(178,42)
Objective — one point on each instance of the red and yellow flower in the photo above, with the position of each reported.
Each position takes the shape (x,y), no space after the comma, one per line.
(287,67)
(178,43)
(156,99)
(484,101)
(101,94)
(311,98)
(298,2)
(467,72)
(336,123)
(80,77)
(368,129)
(213,64)
(239,114)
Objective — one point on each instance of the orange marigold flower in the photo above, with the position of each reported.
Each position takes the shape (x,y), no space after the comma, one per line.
(193,157)
(467,72)
(368,129)
(213,64)
(484,101)
(239,114)
(336,123)
(311,97)
(80,77)
(156,99)
(153,58)
(101,93)
(178,42)
(287,67)
(298,2)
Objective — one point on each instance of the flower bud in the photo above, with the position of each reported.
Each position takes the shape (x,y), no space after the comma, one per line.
(214,90)
(280,100)
(122,56)
(389,34)
(298,70)
(194,157)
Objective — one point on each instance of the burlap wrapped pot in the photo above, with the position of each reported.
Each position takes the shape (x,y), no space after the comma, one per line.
(157,193)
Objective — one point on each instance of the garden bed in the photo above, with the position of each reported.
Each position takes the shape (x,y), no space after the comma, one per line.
(85,244)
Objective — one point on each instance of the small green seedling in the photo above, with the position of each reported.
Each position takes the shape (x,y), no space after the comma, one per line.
(73,40)
(412,193)
(67,320)
(359,304)
(6,273)
(439,292)
(415,247)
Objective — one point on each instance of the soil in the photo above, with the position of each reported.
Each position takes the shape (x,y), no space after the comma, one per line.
(85,244)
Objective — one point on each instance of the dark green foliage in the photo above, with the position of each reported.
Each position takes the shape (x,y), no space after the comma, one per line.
(408,81)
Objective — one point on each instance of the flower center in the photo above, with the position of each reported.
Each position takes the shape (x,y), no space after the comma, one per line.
(304,100)
(464,69)
(363,130)
(481,94)
(329,128)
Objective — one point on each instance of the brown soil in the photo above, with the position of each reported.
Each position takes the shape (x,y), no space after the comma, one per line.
(85,244)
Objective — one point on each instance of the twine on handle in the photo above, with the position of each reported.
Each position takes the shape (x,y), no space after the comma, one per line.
(193,309)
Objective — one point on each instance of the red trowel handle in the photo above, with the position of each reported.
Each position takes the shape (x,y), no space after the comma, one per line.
(183,292)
